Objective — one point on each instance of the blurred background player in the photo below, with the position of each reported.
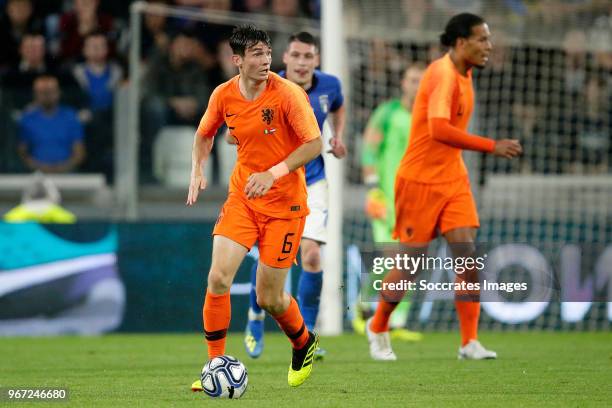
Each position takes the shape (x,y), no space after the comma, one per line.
(325,94)
(384,143)
(432,189)
(276,133)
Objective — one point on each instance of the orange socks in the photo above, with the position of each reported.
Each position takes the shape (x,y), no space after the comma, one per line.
(380,320)
(468,313)
(387,303)
(216,314)
(292,323)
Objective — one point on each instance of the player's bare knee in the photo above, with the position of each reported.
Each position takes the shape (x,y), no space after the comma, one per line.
(218,282)
(463,249)
(274,308)
(311,259)
(272,304)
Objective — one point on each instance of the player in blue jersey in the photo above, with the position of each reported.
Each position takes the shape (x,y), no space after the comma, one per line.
(324,91)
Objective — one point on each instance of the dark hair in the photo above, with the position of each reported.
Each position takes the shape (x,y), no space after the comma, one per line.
(33,33)
(45,77)
(245,36)
(96,33)
(305,37)
(459,26)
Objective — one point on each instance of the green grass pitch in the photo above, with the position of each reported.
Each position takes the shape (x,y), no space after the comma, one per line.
(534,369)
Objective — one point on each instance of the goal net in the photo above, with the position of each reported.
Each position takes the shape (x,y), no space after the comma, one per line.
(547,84)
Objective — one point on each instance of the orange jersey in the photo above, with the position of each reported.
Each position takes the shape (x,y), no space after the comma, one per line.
(444,94)
(267,129)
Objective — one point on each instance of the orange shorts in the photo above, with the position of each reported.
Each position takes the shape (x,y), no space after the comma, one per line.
(423,210)
(279,239)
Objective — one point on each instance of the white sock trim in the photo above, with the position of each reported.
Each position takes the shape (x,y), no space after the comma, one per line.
(256,316)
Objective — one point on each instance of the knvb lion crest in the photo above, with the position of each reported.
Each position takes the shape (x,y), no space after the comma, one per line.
(267,114)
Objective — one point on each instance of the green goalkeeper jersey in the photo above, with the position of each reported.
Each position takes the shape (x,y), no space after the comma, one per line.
(393,121)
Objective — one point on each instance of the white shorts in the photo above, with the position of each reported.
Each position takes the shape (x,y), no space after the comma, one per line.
(316,222)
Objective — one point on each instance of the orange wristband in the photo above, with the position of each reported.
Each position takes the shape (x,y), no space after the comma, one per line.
(280,170)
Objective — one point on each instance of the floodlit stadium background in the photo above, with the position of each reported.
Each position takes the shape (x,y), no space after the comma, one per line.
(548,83)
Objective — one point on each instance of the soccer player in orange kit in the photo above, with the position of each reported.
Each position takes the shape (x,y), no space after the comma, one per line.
(432,189)
(276,133)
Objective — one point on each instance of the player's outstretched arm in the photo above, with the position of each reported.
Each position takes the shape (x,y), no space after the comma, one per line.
(199,157)
(442,131)
(258,184)
(338,149)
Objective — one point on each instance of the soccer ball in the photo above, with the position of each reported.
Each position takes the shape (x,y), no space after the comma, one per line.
(224,377)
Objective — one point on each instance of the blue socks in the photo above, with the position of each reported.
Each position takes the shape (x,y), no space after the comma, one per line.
(309,295)
(253,296)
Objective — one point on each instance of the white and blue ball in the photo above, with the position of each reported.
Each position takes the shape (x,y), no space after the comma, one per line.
(224,377)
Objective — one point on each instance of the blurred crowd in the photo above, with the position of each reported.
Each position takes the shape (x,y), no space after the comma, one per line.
(524,19)
(63,61)
(556,100)
(554,93)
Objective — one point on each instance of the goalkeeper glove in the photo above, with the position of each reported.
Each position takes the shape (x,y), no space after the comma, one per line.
(376,204)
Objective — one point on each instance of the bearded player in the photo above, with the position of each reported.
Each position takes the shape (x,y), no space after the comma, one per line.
(432,189)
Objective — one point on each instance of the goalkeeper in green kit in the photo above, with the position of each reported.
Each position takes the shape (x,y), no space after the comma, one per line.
(384,143)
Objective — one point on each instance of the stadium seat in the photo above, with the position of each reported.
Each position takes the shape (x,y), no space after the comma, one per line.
(172,156)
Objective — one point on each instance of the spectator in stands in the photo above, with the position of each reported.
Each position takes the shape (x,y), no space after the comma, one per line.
(98,76)
(14,25)
(179,81)
(591,143)
(574,46)
(176,91)
(224,56)
(600,42)
(525,122)
(156,32)
(17,82)
(254,6)
(75,25)
(51,136)
(210,34)
(284,11)
(287,8)
(414,13)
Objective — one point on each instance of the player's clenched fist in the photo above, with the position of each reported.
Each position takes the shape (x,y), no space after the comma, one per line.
(507,148)
(338,149)
(258,184)
(197,182)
